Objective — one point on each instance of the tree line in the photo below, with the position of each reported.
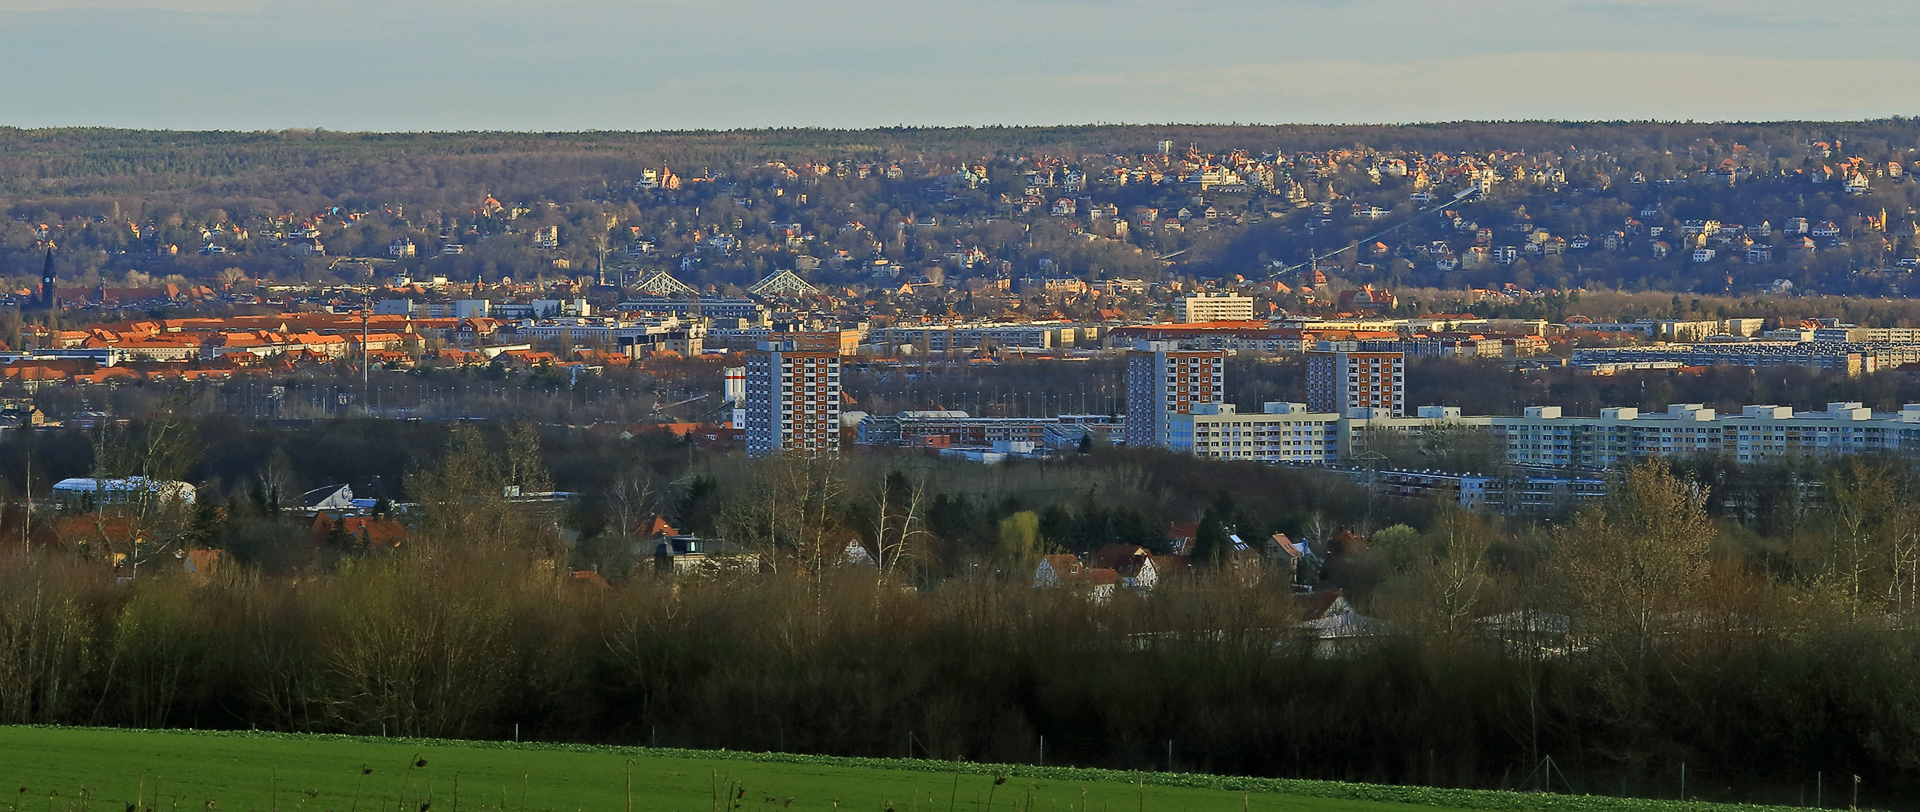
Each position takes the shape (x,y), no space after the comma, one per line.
(1752,624)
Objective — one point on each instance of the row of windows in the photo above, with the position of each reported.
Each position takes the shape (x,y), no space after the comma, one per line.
(1208,425)
(1262,444)
(1297,455)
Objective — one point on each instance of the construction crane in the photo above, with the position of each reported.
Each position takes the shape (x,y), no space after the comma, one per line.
(660,407)
(1314,261)
(724,405)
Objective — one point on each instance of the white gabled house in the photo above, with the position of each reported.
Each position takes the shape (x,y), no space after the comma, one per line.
(1066,571)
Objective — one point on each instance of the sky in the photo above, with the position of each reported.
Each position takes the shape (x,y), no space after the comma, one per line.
(394,65)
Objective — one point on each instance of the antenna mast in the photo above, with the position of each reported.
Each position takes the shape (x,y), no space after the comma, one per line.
(366,315)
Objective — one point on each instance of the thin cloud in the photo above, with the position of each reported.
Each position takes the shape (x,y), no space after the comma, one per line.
(177,6)
(576,64)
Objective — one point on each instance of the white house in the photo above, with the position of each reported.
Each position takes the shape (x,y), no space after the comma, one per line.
(1066,570)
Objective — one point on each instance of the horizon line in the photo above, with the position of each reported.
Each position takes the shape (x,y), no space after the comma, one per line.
(322,130)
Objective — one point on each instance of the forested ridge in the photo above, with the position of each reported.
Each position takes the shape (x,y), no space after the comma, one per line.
(143,159)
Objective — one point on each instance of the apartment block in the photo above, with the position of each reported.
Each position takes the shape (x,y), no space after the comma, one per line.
(958,429)
(792,402)
(1223,307)
(939,338)
(1341,381)
(838,342)
(1164,381)
(1281,432)
(753,312)
(1868,335)
(1510,494)
(1849,358)
(420,309)
(1238,337)
(1544,436)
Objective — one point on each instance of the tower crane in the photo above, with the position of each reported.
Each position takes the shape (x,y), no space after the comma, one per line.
(1314,260)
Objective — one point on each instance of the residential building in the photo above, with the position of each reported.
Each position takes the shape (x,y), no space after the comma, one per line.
(1281,432)
(1221,307)
(1164,381)
(1517,493)
(1116,286)
(635,337)
(840,342)
(1849,358)
(1054,285)
(1868,335)
(792,400)
(1242,336)
(1367,297)
(1545,436)
(1340,381)
(940,338)
(718,308)
(663,335)
(952,428)
(1067,571)
(1679,330)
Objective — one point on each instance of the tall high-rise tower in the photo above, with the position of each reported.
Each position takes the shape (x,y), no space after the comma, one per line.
(792,399)
(1162,381)
(1339,381)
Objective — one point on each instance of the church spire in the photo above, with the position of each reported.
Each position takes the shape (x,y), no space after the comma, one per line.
(48,291)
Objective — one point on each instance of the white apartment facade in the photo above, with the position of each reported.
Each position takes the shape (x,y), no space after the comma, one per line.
(973,335)
(1545,437)
(1223,307)
(1280,432)
(1760,433)
(1868,335)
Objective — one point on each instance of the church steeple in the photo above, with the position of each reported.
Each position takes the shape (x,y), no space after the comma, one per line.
(48,287)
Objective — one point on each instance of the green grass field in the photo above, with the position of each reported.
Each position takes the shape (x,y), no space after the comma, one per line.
(91,770)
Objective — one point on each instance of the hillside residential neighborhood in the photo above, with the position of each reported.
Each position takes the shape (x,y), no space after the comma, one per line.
(792,408)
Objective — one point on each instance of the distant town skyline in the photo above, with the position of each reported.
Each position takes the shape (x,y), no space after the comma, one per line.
(670,64)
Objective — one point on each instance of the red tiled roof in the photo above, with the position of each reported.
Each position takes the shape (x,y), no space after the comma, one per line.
(590,578)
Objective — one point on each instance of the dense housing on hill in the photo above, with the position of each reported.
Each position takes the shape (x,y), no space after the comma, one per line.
(1673,206)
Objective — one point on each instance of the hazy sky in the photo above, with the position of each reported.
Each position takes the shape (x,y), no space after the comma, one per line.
(654,64)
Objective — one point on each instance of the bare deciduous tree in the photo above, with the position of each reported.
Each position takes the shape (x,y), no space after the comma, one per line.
(899,521)
(141,519)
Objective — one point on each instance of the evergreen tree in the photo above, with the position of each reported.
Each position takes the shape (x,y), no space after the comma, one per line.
(1211,547)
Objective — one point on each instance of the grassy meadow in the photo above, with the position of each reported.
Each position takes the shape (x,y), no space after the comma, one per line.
(95,770)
